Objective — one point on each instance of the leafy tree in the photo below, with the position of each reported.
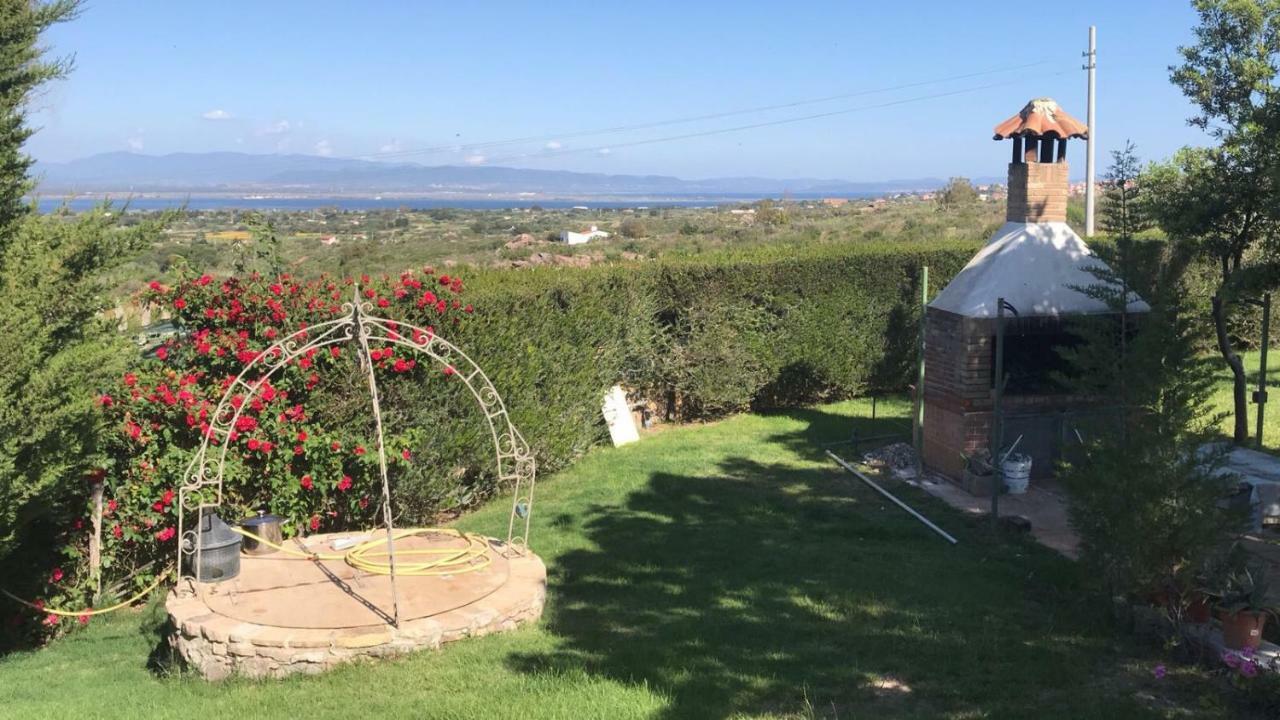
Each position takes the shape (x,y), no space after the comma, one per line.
(632,228)
(1123,212)
(1222,201)
(57,353)
(57,349)
(24,67)
(1144,494)
(958,193)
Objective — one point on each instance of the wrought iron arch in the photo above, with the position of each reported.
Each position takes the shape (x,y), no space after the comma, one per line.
(515,463)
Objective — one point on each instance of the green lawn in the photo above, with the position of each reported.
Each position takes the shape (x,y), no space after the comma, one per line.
(1271,420)
(714,571)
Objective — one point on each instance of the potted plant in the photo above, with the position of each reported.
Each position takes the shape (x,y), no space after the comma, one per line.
(1242,608)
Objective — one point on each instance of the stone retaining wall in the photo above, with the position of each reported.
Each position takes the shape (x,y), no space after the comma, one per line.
(216,646)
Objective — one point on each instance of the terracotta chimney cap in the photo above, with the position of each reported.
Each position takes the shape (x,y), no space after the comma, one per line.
(1042,118)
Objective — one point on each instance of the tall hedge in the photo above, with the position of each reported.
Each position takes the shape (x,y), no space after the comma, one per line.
(719,333)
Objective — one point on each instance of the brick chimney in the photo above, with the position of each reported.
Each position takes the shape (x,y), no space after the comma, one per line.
(1038,170)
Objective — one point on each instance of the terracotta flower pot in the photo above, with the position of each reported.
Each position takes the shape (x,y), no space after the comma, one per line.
(1242,629)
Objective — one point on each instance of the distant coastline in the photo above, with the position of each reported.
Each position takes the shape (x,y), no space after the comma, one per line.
(149,201)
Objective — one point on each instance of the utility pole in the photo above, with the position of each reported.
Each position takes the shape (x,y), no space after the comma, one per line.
(1091,142)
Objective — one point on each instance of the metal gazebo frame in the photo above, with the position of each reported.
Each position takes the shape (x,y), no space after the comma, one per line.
(514,461)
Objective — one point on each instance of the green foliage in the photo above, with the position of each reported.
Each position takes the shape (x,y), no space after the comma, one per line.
(24,67)
(1144,492)
(957,193)
(1123,212)
(1223,200)
(632,228)
(57,352)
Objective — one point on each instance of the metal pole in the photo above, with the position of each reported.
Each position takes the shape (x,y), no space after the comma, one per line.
(1260,397)
(1091,142)
(895,500)
(917,417)
(997,431)
(367,360)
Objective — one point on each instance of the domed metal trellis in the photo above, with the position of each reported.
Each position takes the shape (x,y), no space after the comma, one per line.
(201,490)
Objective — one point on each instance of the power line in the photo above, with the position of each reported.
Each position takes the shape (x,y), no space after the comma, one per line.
(769,123)
(689,119)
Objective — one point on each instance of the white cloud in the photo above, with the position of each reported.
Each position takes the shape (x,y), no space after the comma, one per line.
(324,148)
(475,159)
(391,147)
(605,151)
(554,145)
(217,114)
(280,127)
(134,142)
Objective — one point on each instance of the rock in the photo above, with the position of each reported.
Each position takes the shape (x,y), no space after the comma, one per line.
(899,459)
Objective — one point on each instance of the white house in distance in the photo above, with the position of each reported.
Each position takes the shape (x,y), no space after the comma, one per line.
(577,238)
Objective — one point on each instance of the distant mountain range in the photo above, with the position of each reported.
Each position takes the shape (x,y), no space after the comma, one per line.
(219,172)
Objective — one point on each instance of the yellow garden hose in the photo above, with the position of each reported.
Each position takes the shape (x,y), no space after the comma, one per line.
(444,561)
(90,612)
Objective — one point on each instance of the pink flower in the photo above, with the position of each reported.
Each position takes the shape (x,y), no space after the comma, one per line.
(1249,668)
(84,619)
(162,352)
(56,575)
(166,534)
(50,620)
(406,455)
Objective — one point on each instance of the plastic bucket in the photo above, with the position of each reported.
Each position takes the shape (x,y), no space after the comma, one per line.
(1016,470)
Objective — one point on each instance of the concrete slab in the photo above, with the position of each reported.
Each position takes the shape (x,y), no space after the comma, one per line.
(1044,505)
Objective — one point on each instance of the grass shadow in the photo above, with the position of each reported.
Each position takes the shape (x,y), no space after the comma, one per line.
(770,586)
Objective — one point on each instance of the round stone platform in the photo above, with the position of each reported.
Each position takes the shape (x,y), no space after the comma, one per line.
(285,614)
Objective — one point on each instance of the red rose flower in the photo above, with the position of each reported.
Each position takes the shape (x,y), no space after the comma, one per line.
(302,436)
(166,534)
(315,522)
(179,303)
(117,531)
(359,450)
(345,483)
(335,446)
(162,352)
(254,443)
(130,379)
(406,455)
(56,575)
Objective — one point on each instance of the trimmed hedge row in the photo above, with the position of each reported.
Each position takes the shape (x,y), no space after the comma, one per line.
(775,327)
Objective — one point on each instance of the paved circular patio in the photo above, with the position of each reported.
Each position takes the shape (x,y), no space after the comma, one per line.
(284,614)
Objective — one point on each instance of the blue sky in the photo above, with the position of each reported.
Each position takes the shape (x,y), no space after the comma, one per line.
(353,79)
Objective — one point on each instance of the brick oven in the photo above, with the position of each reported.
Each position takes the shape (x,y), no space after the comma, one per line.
(1035,261)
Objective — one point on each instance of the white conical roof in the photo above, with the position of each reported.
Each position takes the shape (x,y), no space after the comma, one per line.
(1036,267)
